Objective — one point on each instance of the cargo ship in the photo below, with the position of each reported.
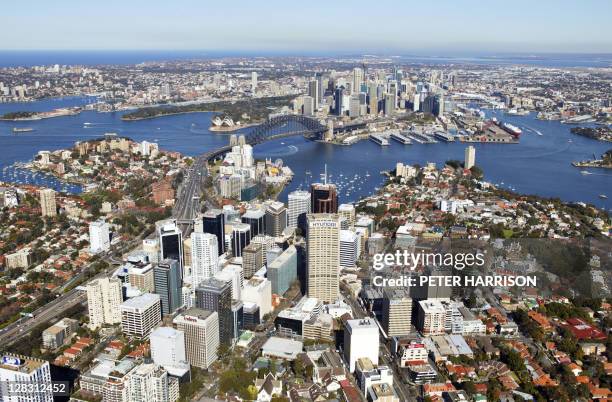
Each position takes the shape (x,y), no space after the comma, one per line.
(22,130)
(513,130)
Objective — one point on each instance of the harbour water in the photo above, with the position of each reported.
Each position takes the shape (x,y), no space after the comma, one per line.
(539,164)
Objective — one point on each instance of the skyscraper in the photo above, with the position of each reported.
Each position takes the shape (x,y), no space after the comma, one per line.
(276,218)
(99,236)
(357,79)
(256,218)
(347,211)
(204,256)
(253,82)
(324,198)
(241,237)
(397,312)
(170,241)
(213,222)
(299,205)
(470,157)
(360,340)
(140,314)
(323,256)
(349,248)
(283,271)
(17,369)
(252,259)
(216,295)
(313,91)
(168,284)
(47,202)
(103,300)
(201,329)
(168,347)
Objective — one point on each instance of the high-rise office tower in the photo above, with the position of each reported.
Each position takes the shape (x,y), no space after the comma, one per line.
(47,202)
(349,248)
(256,218)
(17,369)
(103,300)
(215,295)
(252,259)
(397,312)
(201,329)
(470,157)
(360,340)
(213,222)
(276,218)
(338,97)
(168,284)
(282,271)
(140,314)
(354,106)
(313,91)
(241,237)
(357,79)
(347,211)
(373,98)
(389,104)
(99,236)
(170,241)
(323,256)
(299,206)
(168,347)
(204,256)
(308,107)
(324,198)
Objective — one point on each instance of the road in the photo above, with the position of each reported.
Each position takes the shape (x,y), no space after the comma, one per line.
(63,302)
(404,391)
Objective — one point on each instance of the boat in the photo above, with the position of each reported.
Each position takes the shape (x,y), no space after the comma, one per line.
(585,172)
(513,130)
(444,136)
(603,196)
(400,138)
(22,130)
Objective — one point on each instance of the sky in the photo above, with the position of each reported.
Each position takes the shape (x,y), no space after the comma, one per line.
(373,26)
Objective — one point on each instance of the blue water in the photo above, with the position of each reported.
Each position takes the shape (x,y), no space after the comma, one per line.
(13,58)
(537,165)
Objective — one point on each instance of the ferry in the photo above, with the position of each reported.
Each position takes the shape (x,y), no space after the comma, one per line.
(380,140)
(22,130)
(585,172)
(603,196)
(400,138)
(444,136)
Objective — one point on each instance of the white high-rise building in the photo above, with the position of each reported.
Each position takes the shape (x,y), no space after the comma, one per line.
(168,347)
(139,315)
(47,202)
(151,383)
(201,329)
(17,369)
(103,301)
(360,340)
(299,203)
(99,236)
(323,256)
(204,256)
(349,248)
(258,291)
(470,157)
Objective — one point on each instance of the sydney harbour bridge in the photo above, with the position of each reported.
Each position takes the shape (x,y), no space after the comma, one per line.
(188,201)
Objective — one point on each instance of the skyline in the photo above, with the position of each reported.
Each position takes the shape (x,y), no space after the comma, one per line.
(314,27)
